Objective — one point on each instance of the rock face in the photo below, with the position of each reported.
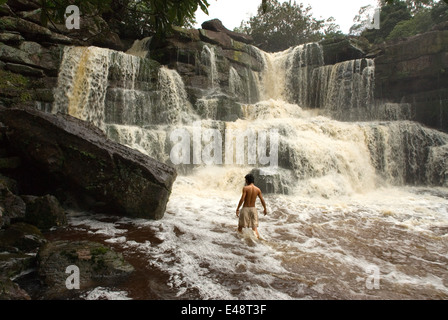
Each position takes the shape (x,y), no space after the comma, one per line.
(69,154)
(415,71)
(203,59)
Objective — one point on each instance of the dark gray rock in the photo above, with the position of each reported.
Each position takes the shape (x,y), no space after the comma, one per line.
(70,154)
(44,212)
(10,290)
(24,70)
(343,49)
(216,25)
(11,206)
(21,237)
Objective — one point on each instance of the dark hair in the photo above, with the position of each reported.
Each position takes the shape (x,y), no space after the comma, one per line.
(249,178)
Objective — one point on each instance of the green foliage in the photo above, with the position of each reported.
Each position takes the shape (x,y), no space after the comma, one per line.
(415,6)
(390,16)
(55,10)
(421,22)
(138,18)
(439,13)
(278,26)
(148,17)
(407,18)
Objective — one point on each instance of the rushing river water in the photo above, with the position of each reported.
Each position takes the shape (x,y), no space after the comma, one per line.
(365,215)
(390,243)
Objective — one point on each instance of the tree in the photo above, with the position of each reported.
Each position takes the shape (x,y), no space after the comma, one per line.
(142,16)
(415,6)
(422,21)
(390,16)
(402,18)
(278,26)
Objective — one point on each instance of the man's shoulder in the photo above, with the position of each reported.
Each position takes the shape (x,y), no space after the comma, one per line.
(251,187)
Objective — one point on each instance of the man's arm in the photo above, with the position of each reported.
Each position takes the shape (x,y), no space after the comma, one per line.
(243,196)
(262,202)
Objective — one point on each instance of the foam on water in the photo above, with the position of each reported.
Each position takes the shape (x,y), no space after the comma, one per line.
(313,247)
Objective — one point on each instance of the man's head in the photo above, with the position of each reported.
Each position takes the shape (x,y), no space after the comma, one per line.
(249,178)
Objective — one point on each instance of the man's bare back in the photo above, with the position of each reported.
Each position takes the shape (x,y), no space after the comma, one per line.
(251,193)
(248,199)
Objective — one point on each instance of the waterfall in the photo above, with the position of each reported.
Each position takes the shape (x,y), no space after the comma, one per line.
(279,131)
(209,58)
(174,107)
(84,78)
(236,87)
(348,86)
(140,48)
(245,88)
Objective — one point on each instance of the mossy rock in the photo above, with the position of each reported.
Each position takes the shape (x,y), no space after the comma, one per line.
(21,237)
(10,290)
(97,264)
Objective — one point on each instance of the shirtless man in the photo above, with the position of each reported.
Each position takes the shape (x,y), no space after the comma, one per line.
(249,214)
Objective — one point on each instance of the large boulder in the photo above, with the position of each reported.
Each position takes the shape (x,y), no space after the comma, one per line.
(343,49)
(216,25)
(21,237)
(65,153)
(44,212)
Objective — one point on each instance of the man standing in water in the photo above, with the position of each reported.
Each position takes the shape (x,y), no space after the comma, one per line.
(249,215)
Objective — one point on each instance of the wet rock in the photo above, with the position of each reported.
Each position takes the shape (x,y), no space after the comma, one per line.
(21,236)
(10,290)
(11,37)
(44,212)
(5,10)
(278,181)
(24,70)
(30,58)
(97,265)
(22,5)
(34,31)
(63,152)
(11,206)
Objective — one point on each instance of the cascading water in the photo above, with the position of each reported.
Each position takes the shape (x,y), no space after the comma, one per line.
(353,203)
(209,57)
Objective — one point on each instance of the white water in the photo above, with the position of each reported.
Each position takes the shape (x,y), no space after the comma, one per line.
(349,207)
